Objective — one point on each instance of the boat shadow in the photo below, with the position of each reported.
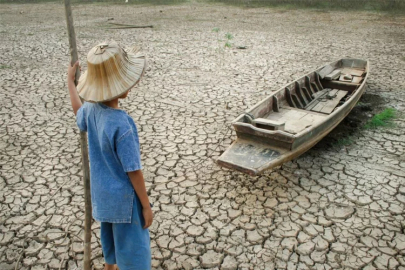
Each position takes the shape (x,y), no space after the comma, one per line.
(350,127)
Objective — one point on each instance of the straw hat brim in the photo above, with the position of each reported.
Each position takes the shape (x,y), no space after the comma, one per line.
(105,89)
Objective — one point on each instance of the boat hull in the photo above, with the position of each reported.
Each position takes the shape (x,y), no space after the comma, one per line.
(253,154)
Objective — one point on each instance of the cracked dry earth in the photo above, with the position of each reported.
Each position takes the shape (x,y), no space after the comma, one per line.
(335,207)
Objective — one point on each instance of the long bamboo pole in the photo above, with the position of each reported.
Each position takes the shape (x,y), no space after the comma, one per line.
(83,146)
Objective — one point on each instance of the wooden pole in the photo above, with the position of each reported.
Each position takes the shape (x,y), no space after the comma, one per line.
(83,146)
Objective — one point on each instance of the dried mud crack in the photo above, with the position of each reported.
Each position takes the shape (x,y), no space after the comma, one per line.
(338,206)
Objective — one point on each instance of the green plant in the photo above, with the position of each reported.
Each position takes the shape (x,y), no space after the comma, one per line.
(345,141)
(216,30)
(382,119)
(391,6)
(4,66)
(228,37)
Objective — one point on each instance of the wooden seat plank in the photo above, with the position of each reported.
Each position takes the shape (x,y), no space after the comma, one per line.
(357,79)
(325,71)
(295,119)
(269,124)
(327,106)
(331,104)
(318,107)
(323,100)
(333,75)
(312,105)
(353,71)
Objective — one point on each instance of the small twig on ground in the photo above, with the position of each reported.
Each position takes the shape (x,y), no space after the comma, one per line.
(19,257)
(123,26)
(61,263)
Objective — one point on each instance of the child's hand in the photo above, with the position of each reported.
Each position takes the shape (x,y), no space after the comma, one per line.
(148,216)
(72,71)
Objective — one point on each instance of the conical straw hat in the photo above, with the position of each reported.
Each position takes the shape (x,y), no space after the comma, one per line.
(111,72)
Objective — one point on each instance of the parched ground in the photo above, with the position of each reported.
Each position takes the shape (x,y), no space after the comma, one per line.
(335,207)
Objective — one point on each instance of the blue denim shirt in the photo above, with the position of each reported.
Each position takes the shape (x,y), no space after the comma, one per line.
(113,150)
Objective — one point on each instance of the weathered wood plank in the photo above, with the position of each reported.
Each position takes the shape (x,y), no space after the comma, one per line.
(340,85)
(343,79)
(333,75)
(353,71)
(269,124)
(318,107)
(357,79)
(300,110)
(354,63)
(295,119)
(331,104)
(325,71)
(332,92)
(312,105)
(83,146)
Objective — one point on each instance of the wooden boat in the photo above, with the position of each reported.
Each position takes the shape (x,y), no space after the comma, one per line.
(293,119)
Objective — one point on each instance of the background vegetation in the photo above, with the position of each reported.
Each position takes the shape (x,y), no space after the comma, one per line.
(379,5)
(376,5)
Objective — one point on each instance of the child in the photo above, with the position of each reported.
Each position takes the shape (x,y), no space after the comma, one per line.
(118,192)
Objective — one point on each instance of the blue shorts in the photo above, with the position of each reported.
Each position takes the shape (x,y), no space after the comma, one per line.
(127,244)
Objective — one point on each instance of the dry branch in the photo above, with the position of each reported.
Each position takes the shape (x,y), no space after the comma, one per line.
(124,26)
(83,146)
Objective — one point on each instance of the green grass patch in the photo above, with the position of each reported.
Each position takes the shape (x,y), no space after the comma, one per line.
(345,141)
(383,119)
(4,66)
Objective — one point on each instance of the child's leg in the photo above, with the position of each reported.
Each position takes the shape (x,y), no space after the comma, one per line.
(107,245)
(132,242)
(110,267)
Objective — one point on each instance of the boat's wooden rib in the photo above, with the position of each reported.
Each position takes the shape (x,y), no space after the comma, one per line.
(308,85)
(294,118)
(276,105)
(318,82)
(306,93)
(299,94)
(289,97)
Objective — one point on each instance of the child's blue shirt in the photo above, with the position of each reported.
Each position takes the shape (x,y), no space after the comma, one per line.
(113,150)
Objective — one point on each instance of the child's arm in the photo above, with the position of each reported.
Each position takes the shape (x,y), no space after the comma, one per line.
(139,185)
(74,96)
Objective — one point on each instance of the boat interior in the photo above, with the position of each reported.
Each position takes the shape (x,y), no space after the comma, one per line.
(307,101)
